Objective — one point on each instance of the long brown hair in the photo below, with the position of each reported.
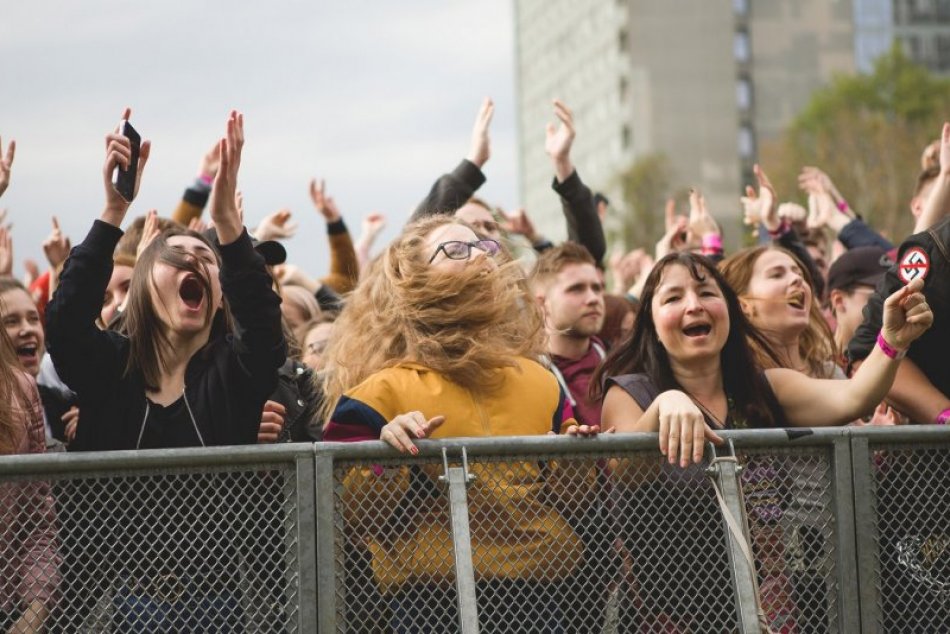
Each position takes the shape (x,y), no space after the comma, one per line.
(148,339)
(463,325)
(815,344)
(643,353)
(13,402)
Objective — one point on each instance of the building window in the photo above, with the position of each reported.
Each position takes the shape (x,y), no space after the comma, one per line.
(743,93)
(623,40)
(912,46)
(942,53)
(740,46)
(746,142)
(626,137)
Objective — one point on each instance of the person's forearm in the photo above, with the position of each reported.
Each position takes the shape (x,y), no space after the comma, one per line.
(563,168)
(869,385)
(915,396)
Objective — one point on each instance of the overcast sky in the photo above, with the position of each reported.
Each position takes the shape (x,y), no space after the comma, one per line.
(377,97)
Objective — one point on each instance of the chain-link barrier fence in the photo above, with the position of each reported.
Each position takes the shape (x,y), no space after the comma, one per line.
(847,528)
(133,545)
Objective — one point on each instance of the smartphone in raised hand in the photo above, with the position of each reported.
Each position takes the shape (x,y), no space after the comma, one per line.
(124,179)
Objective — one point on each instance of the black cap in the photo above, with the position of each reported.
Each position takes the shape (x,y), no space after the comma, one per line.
(272,251)
(862,265)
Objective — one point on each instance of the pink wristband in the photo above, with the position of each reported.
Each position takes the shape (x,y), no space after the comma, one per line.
(888,349)
(843,207)
(206,178)
(712,243)
(943,417)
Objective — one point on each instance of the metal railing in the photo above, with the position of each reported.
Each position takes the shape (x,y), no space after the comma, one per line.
(847,529)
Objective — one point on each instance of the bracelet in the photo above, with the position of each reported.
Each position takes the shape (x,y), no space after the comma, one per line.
(843,206)
(207,179)
(888,349)
(943,417)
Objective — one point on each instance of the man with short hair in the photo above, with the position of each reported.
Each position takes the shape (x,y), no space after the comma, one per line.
(569,290)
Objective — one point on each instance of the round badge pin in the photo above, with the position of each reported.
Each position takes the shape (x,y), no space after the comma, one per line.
(915,263)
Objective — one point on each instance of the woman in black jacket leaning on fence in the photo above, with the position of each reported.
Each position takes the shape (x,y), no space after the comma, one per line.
(179,376)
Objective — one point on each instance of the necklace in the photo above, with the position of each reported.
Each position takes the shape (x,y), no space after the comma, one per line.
(720,423)
(194,424)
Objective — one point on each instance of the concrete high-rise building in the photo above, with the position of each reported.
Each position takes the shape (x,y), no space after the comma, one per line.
(703,82)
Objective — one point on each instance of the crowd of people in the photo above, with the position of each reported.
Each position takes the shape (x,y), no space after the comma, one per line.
(193,331)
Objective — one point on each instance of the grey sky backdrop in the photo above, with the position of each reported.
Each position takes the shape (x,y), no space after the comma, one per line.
(378,97)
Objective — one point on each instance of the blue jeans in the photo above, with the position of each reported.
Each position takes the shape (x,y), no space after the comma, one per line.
(186,607)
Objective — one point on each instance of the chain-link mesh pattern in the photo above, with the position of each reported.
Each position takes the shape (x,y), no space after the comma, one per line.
(912,511)
(789,502)
(189,550)
(590,543)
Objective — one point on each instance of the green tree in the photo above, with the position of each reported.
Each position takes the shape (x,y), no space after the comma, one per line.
(867,132)
(644,186)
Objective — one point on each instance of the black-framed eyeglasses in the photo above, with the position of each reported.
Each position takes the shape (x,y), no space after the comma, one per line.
(459,250)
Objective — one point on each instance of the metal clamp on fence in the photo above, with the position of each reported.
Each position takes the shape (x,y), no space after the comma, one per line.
(724,472)
(458,479)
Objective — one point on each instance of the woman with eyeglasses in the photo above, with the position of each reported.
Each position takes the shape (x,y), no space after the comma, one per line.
(448,340)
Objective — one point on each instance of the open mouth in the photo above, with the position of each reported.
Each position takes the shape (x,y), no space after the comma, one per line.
(27,352)
(191,292)
(697,330)
(796,300)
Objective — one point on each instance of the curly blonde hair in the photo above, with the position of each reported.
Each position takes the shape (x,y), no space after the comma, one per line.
(464,325)
(815,344)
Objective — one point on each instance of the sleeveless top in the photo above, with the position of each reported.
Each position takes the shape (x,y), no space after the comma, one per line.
(644,391)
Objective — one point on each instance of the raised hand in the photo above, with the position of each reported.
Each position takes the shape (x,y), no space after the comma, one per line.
(32,272)
(792,212)
(760,206)
(118,154)
(373,223)
(558,140)
(224,210)
(480,149)
(276,226)
(701,222)
(6,252)
(150,231)
(399,431)
(210,162)
(323,203)
(907,315)
(519,222)
(56,246)
(6,165)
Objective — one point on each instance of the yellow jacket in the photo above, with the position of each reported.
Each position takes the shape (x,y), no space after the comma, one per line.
(401,513)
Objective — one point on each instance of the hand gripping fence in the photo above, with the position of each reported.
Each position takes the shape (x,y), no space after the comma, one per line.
(800,531)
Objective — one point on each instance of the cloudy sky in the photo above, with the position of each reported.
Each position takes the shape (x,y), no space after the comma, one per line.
(376,97)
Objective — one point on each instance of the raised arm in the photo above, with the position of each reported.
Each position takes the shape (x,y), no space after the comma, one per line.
(938,203)
(812,402)
(344,266)
(86,358)
(260,345)
(195,198)
(6,165)
(452,190)
(577,201)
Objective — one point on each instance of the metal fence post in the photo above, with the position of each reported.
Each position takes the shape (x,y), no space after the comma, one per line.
(849,604)
(307,610)
(725,475)
(326,567)
(865,526)
(458,479)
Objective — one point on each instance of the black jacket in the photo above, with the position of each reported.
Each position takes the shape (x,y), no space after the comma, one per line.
(929,352)
(227,381)
(299,394)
